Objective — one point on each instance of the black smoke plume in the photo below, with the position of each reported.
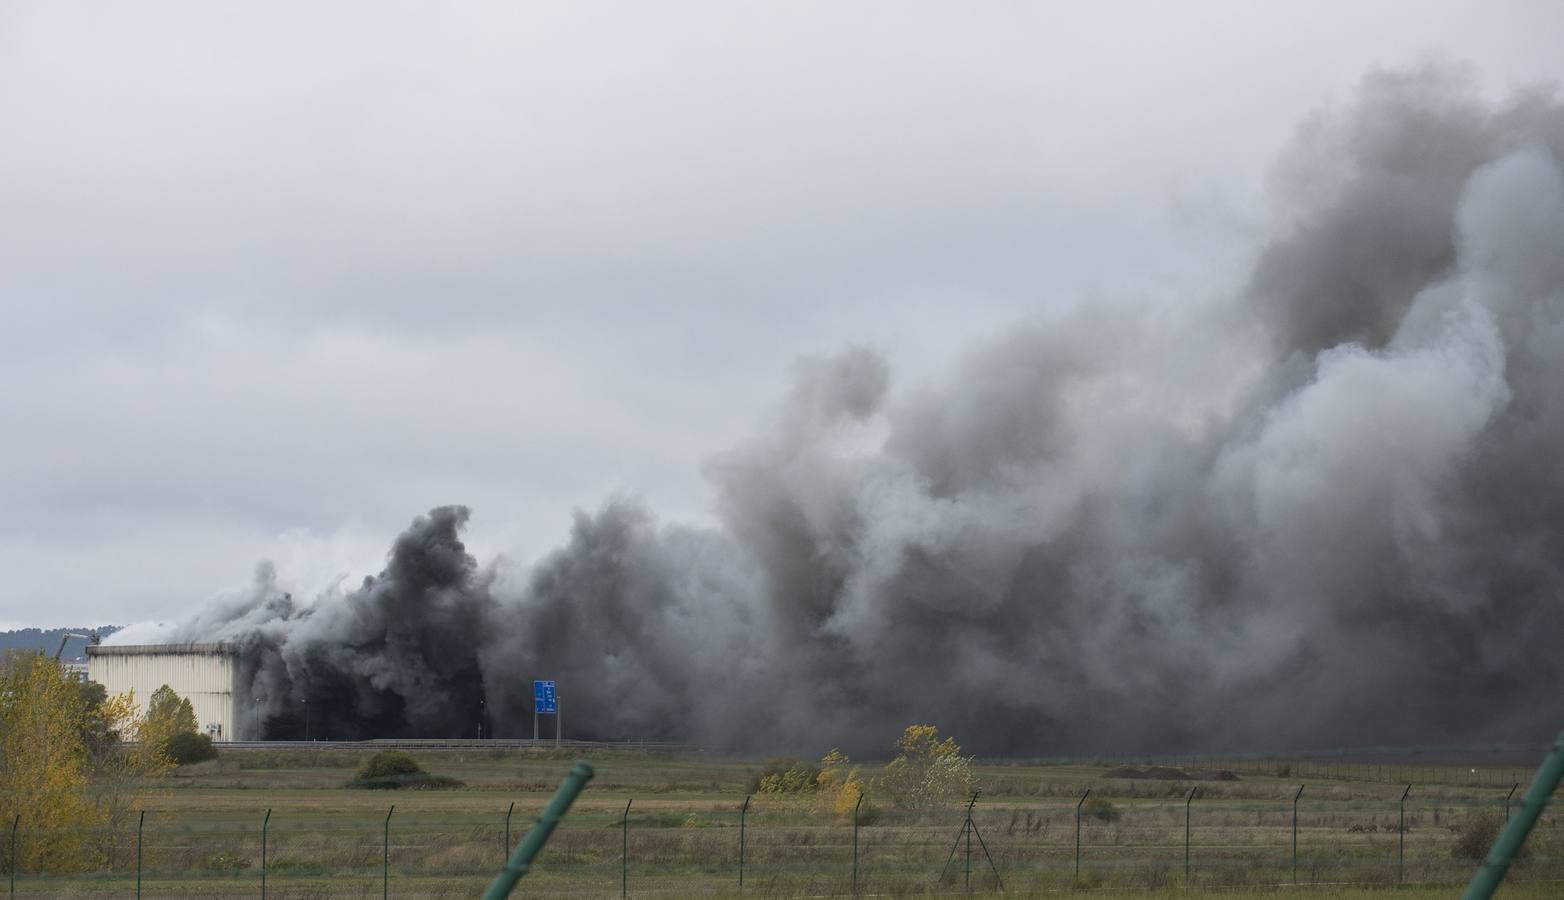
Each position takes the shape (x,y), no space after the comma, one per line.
(1326,510)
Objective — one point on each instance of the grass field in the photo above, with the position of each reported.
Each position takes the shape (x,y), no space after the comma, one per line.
(202,835)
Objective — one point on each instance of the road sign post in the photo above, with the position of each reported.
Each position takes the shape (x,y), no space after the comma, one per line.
(545,702)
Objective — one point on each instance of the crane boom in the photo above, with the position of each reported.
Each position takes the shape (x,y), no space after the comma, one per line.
(67,636)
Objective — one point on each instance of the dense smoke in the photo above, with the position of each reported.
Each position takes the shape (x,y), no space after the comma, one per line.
(1328,510)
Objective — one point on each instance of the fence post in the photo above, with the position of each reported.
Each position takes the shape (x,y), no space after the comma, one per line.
(1187,801)
(518,863)
(743,814)
(624,858)
(506,855)
(1401,851)
(1295,833)
(139,821)
(14,823)
(855,843)
(1078,833)
(967,827)
(1491,872)
(1507,800)
(385,856)
(965,836)
(264,822)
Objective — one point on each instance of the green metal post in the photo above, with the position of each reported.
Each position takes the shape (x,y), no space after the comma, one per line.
(1187,801)
(1507,800)
(624,858)
(743,814)
(264,822)
(139,821)
(517,865)
(855,843)
(1078,833)
(966,832)
(983,845)
(385,856)
(14,824)
(967,826)
(1295,833)
(506,848)
(955,845)
(1401,851)
(1492,871)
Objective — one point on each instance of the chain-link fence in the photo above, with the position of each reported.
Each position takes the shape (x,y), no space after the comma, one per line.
(1128,832)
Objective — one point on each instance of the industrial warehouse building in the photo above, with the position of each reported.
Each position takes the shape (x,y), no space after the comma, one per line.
(205,674)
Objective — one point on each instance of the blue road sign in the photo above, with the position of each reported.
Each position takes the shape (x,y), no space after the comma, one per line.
(543,697)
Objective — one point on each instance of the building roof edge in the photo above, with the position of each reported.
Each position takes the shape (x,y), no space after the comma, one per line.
(214,648)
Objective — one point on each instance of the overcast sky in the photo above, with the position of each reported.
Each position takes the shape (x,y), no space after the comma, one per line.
(276,278)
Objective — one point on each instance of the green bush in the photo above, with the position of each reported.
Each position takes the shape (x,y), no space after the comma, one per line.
(389,764)
(395,770)
(189,747)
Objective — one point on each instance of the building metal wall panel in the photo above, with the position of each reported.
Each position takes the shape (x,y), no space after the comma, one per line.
(205,674)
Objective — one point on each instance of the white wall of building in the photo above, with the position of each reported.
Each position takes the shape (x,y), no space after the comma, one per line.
(204,674)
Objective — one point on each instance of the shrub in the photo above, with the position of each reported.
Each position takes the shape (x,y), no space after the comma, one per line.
(389,764)
(1476,835)
(928,772)
(391,770)
(785,775)
(1100,808)
(840,784)
(190,747)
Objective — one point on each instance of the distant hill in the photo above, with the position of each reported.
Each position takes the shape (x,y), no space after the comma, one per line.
(48,639)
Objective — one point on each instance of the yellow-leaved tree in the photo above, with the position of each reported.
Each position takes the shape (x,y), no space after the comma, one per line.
(43,771)
(168,714)
(928,772)
(126,754)
(839,783)
(67,778)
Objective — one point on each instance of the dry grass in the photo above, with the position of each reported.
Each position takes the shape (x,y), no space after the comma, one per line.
(203,835)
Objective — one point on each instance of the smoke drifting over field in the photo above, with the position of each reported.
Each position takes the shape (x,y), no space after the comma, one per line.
(1328,510)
